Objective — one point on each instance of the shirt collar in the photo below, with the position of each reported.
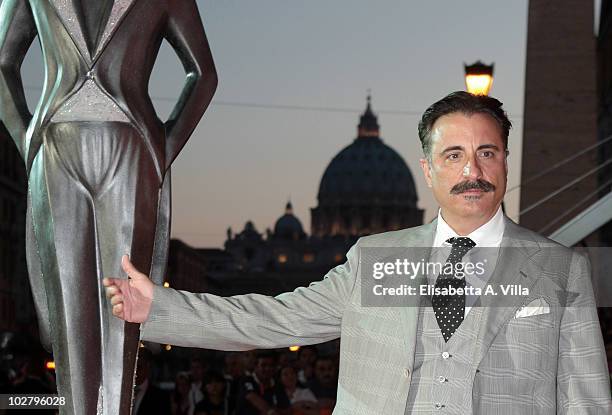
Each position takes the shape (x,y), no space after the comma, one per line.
(488,235)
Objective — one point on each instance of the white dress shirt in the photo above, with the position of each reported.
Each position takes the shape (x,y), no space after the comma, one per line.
(488,236)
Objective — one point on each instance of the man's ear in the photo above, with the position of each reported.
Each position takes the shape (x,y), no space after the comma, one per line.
(426,167)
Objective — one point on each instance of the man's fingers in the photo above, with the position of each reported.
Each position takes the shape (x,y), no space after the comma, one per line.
(110,291)
(116,299)
(118,310)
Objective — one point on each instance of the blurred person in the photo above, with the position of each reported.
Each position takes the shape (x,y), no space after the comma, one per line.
(180,403)
(258,395)
(293,396)
(148,398)
(233,371)
(250,361)
(197,370)
(324,384)
(306,358)
(215,400)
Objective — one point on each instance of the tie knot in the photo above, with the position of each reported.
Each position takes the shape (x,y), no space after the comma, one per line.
(461,242)
(461,246)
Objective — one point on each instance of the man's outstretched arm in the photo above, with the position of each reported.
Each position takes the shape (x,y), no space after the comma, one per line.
(307,315)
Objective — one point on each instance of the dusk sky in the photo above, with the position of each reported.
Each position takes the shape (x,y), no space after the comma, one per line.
(244,161)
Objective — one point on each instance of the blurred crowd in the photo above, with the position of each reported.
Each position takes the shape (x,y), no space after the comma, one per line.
(264,382)
(301,381)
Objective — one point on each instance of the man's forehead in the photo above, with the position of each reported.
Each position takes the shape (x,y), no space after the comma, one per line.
(459,129)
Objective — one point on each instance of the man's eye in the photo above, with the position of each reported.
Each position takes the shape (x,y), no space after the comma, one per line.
(454,156)
(486,154)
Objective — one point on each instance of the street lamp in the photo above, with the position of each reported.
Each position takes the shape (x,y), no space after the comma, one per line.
(478,78)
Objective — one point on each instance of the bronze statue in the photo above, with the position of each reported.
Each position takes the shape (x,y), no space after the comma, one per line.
(98,160)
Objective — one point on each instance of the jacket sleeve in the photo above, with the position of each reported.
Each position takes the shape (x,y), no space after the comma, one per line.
(307,315)
(583,381)
(17,31)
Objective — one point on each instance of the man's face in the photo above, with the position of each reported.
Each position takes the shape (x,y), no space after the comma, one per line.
(288,377)
(468,168)
(265,368)
(325,372)
(197,371)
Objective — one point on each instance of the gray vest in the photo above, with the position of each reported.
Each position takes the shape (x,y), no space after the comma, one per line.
(443,373)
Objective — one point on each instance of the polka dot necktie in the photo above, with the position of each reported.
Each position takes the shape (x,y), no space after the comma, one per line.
(450,309)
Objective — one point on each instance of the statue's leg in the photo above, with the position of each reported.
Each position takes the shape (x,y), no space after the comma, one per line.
(101,191)
(126,219)
(37,283)
(62,215)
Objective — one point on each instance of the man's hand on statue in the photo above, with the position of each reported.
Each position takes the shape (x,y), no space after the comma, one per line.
(131,299)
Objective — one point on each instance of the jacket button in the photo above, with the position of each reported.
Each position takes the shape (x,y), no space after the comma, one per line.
(438,405)
(445,355)
(406,372)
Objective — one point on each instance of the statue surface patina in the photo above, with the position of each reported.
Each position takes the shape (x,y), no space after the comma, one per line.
(97,158)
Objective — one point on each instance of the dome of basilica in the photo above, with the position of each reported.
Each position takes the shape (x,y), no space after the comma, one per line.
(367,172)
(288,226)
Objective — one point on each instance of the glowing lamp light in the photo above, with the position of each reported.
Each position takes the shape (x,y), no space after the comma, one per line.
(50,365)
(478,78)
(168,347)
(166,284)
(294,348)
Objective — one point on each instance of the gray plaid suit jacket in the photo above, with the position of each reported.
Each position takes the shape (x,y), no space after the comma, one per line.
(552,363)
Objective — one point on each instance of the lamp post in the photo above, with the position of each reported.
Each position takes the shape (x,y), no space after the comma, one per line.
(478,78)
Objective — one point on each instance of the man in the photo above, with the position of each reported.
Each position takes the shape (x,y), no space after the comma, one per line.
(324,383)
(541,352)
(257,394)
(197,369)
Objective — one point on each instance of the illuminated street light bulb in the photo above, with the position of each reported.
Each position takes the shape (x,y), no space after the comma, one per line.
(294,348)
(478,78)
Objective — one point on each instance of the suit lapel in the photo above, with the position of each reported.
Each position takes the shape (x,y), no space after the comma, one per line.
(73,21)
(69,16)
(514,268)
(117,14)
(409,314)
(93,16)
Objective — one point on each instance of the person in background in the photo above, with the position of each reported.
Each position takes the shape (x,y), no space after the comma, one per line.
(148,399)
(293,396)
(258,395)
(180,398)
(197,369)
(249,358)
(215,400)
(324,384)
(233,371)
(306,358)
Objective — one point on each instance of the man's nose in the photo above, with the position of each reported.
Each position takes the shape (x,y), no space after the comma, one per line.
(472,169)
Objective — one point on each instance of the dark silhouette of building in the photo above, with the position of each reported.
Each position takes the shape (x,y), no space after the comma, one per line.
(367,188)
(604,113)
(560,113)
